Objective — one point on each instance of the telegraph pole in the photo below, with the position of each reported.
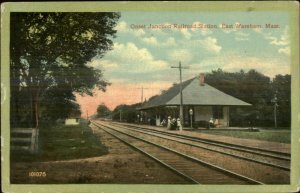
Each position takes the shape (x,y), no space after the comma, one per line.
(142,100)
(142,94)
(275,109)
(180,86)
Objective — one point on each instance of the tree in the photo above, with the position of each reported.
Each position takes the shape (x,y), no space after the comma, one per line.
(128,113)
(59,102)
(251,87)
(52,49)
(103,111)
(281,86)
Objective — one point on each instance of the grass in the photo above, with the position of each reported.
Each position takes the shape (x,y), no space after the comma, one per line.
(61,142)
(282,135)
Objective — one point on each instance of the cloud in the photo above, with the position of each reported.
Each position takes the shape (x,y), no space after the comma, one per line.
(170,42)
(150,40)
(182,55)
(206,32)
(121,26)
(153,41)
(267,67)
(129,58)
(210,44)
(283,40)
(277,42)
(138,32)
(234,62)
(285,50)
(186,34)
(128,52)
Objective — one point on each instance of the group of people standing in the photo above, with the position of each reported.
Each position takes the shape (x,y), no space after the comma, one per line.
(175,124)
(172,124)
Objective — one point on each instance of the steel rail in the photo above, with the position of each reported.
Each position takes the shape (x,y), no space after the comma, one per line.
(210,149)
(253,150)
(156,159)
(196,160)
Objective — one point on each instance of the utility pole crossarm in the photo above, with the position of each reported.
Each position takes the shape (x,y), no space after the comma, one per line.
(182,67)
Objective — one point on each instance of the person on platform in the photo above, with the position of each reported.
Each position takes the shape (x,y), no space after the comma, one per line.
(173,124)
(163,123)
(210,123)
(169,122)
(179,126)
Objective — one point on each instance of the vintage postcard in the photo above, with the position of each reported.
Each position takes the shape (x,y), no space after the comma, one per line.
(150,97)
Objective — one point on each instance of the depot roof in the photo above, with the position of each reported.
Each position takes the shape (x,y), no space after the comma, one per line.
(194,94)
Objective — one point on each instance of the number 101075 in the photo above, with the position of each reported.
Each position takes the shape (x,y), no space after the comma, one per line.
(37,174)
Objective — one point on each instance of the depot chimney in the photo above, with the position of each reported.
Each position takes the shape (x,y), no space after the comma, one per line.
(201,79)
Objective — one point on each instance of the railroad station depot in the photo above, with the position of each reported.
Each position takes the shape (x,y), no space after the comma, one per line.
(201,103)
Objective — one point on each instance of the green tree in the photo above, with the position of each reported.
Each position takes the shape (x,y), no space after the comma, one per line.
(59,102)
(281,86)
(128,113)
(252,87)
(103,111)
(52,49)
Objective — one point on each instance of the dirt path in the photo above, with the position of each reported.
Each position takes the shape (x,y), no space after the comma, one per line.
(121,165)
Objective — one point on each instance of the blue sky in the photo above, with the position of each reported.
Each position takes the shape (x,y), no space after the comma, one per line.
(143,57)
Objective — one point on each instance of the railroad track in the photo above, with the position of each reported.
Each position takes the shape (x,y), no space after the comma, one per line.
(265,157)
(265,172)
(192,169)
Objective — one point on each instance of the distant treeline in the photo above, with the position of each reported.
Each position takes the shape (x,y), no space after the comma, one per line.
(260,91)
(251,87)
